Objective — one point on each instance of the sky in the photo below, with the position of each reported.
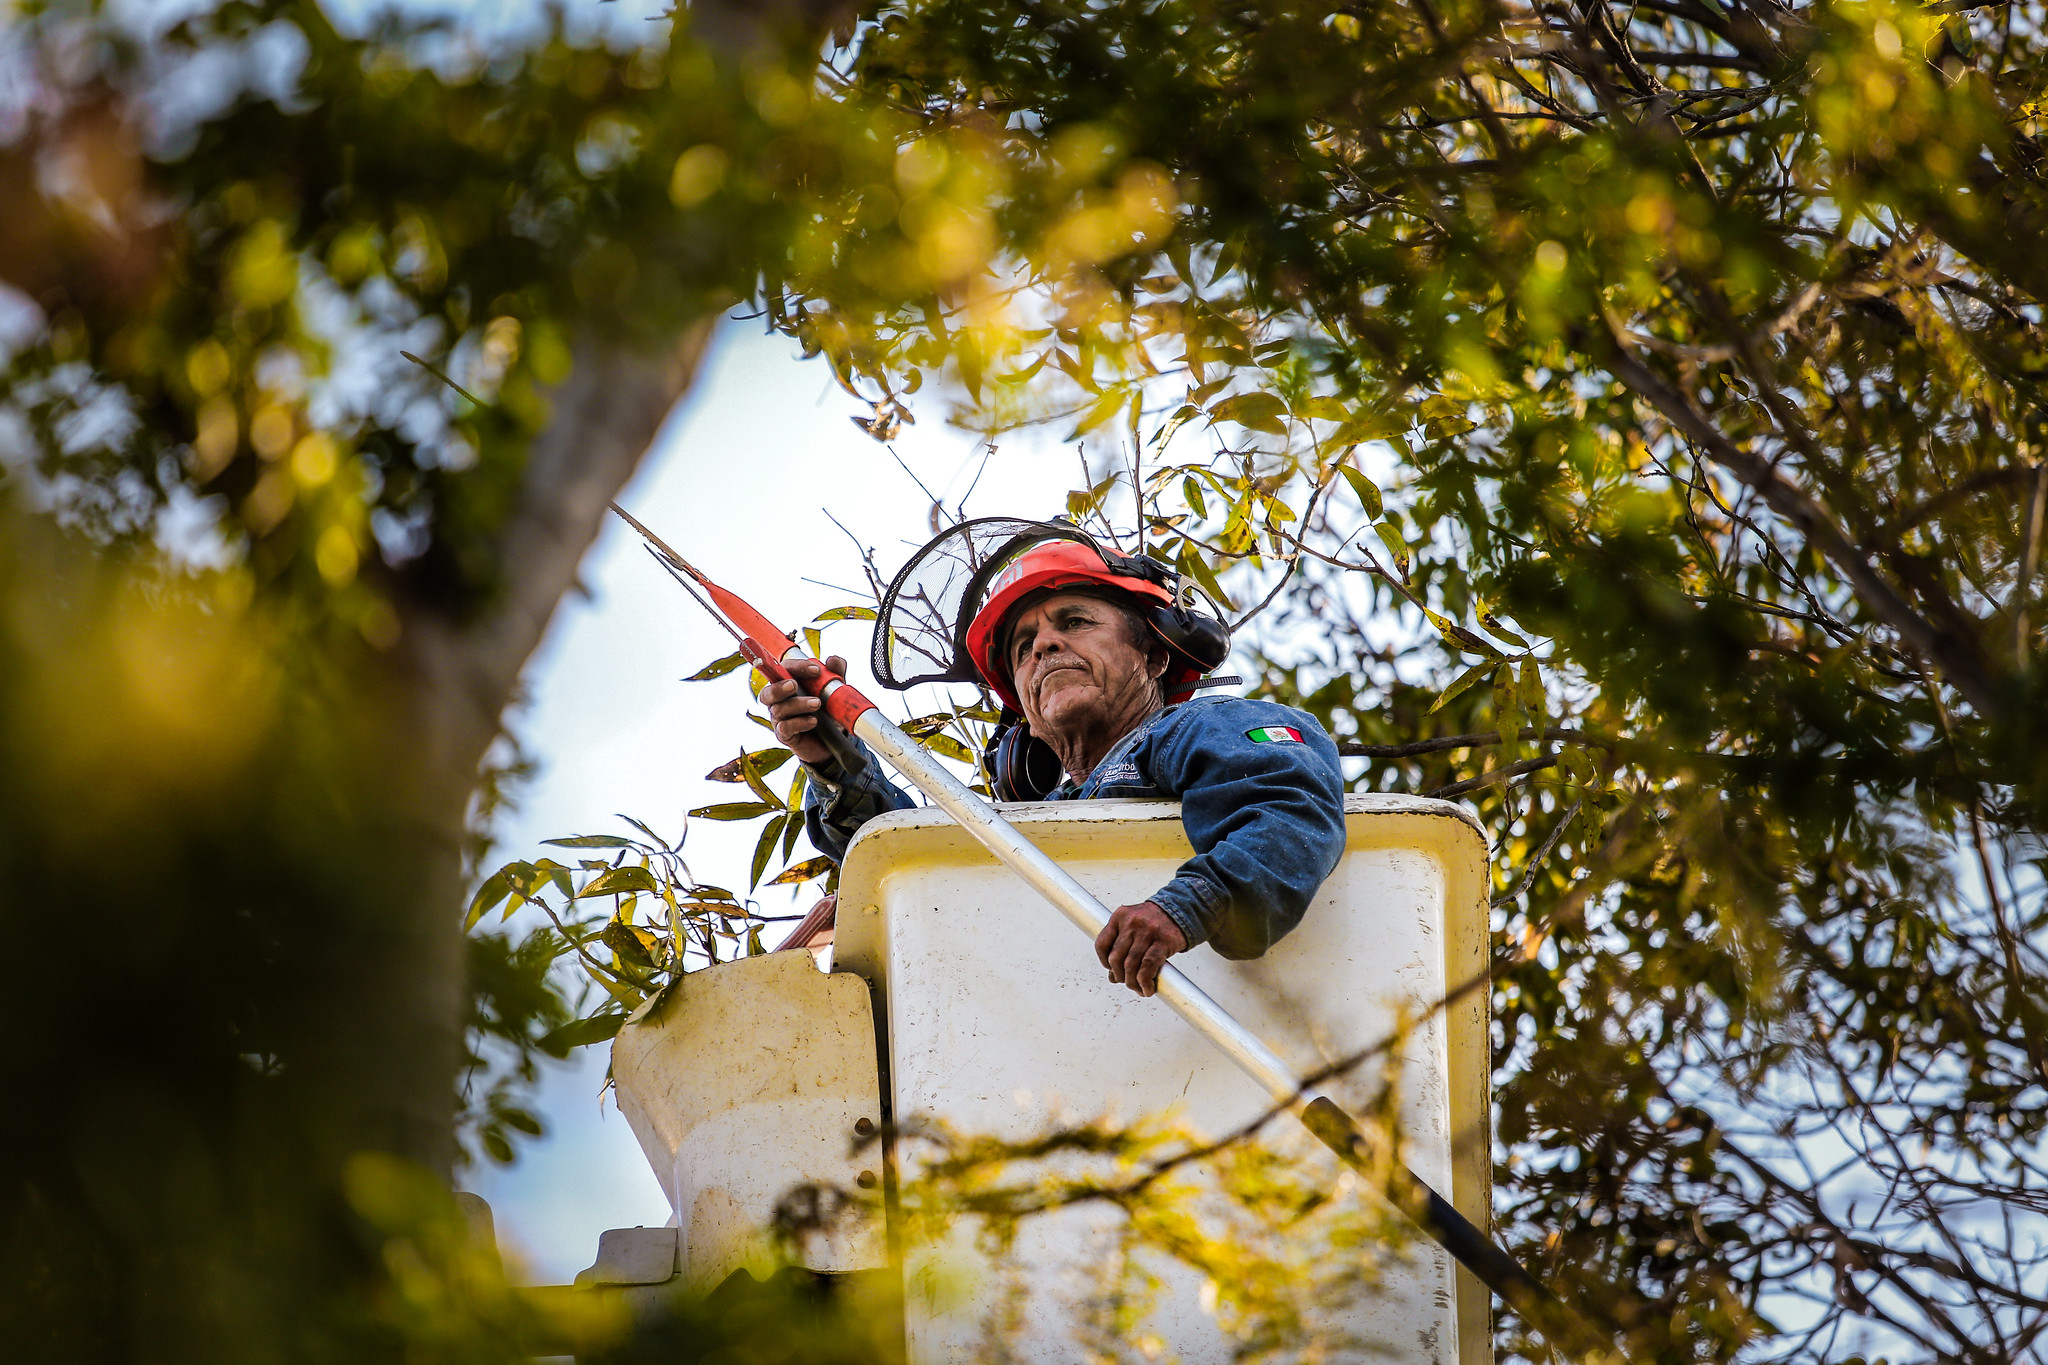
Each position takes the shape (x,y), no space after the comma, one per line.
(739,482)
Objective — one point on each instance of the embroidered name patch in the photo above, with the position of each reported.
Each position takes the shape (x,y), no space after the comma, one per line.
(1274,734)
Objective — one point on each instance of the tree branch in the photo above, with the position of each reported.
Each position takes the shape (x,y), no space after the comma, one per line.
(1959,659)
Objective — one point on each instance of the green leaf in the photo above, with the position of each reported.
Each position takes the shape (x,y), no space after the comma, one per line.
(618,881)
(496,887)
(590,841)
(658,840)
(1258,411)
(1396,546)
(1374,426)
(754,946)
(847,614)
(520,1120)
(598,1028)
(1464,680)
(1100,411)
(559,875)
(733,810)
(1191,492)
(1368,492)
(804,871)
(717,668)
(1194,566)
(769,833)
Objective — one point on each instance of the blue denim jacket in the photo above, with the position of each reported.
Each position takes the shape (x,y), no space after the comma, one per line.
(1265,815)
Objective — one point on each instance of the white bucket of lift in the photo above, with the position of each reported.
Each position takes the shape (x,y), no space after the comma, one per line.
(1000,1021)
(751,1079)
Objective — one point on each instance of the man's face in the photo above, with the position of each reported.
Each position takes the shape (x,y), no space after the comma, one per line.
(1075,666)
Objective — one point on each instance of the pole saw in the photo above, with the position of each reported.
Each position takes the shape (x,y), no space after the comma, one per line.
(846,712)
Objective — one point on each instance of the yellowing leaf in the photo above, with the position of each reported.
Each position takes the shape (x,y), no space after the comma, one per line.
(733,810)
(804,871)
(495,888)
(1258,411)
(948,747)
(1368,492)
(765,761)
(717,668)
(1100,411)
(1375,426)
(1396,547)
(1493,627)
(751,771)
(765,847)
(620,879)
(1464,680)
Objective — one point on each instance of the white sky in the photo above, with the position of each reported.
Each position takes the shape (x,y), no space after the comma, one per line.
(737,483)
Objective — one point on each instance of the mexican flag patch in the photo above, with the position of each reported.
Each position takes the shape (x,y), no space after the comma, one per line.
(1274,734)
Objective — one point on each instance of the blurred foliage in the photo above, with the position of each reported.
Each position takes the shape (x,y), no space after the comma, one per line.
(293,320)
(1276,1239)
(1624,417)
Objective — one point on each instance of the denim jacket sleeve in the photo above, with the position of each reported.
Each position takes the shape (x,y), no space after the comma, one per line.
(1264,812)
(836,806)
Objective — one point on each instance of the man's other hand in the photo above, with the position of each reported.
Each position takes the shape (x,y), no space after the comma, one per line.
(1135,944)
(795,712)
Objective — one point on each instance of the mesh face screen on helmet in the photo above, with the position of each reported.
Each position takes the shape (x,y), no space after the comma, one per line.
(921,626)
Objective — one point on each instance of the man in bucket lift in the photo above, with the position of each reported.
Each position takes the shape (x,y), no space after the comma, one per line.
(1102,659)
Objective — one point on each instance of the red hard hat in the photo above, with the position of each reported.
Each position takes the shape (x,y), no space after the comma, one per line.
(1052,565)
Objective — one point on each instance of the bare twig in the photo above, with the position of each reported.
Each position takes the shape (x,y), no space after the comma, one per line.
(1535,863)
(1494,778)
(1351,748)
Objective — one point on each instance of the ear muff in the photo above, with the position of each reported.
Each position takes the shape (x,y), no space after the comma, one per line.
(1201,640)
(1020,766)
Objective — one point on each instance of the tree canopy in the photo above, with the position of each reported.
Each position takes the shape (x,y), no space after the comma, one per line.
(1642,400)
(1621,417)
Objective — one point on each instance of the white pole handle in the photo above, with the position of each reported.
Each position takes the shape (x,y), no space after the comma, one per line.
(1074,901)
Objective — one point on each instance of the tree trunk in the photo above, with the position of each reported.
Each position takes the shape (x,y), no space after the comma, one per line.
(401,982)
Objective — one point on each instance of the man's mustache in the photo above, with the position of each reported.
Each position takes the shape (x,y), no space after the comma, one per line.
(1051,668)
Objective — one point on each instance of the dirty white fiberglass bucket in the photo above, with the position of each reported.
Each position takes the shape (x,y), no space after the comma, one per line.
(998,1020)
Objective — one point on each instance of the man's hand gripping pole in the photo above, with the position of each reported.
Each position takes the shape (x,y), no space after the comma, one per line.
(764,647)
